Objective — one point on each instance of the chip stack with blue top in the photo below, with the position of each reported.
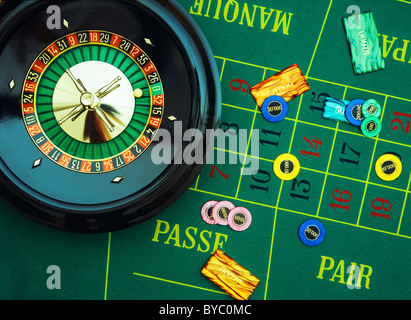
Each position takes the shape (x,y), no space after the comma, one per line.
(311,232)
(354,112)
(274,108)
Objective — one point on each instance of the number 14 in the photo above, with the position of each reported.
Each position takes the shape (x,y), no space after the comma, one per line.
(314,143)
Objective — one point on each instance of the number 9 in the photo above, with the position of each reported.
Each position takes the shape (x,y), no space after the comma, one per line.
(241,82)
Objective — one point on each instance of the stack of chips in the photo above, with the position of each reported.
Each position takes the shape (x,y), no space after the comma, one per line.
(362,37)
(225,213)
(273,94)
(334,109)
(360,113)
(230,276)
(371,125)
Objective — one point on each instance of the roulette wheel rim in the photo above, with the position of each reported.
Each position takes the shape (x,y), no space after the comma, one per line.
(170,182)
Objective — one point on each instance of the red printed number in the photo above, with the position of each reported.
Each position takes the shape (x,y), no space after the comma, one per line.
(239,85)
(312,142)
(380,204)
(213,167)
(394,123)
(344,197)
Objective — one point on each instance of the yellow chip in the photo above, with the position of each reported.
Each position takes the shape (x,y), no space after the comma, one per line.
(286,166)
(388,167)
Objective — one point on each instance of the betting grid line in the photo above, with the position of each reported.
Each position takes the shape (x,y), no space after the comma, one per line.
(178,283)
(315,79)
(371,164)
(289,150)
(248,143)
(319,37)
(403,207)
(221,76)
(107,265)
(329,161)
(302,213)
(325,127)
(272,241)
(313,170)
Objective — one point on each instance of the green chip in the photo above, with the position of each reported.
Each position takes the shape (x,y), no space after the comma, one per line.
(334,109)
(371,126)
(362,37)
(371,108)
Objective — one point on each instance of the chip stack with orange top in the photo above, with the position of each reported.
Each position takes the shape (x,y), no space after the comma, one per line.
(273,94)
(288,84)
(230,276)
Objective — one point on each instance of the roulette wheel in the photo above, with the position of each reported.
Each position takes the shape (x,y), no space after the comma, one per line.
(81,104)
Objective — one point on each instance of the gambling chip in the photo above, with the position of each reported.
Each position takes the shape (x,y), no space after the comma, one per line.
(371,108)
(362,37)
(286,166)
(371,126)
(239,219)
(230,276)
(288,83)
(354,112)
(221,211)
(274,108)
(388,167)
(311,232)
(334,109)
(207,212)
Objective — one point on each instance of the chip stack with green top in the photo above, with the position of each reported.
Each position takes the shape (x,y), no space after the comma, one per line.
(371,126)
(334,109)
(371,108)
(362,37)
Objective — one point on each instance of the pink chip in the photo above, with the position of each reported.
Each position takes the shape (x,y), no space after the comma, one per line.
(221,211)
(207,212)
(239,219)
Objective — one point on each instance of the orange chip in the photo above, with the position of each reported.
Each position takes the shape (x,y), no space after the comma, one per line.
(288,83)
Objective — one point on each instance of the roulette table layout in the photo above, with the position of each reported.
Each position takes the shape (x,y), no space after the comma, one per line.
(81,105)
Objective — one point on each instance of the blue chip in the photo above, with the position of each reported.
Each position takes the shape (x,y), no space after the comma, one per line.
(274,108)
(354,112)
(311,232)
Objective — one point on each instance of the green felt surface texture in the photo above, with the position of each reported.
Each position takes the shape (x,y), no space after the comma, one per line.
(367,220)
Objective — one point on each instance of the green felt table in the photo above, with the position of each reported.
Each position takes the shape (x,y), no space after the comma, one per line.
(162,257)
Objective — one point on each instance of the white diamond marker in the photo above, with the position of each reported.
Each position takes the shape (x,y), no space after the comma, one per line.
(148,41)
(37,163)
(11,84)
(172,118)
(117,179)
(66,24)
